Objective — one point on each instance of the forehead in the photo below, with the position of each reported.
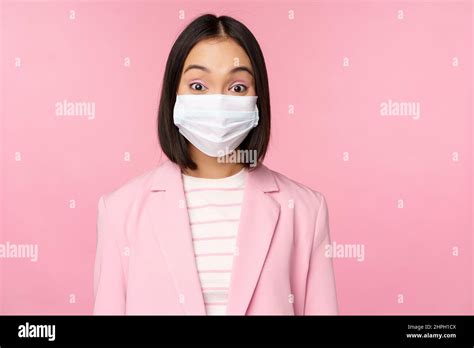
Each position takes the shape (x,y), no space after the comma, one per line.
(217,54)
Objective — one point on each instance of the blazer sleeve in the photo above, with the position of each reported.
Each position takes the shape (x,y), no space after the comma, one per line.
(320,286)
(109,279)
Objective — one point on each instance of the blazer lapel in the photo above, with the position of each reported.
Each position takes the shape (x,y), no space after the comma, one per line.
(170,222)
(258,219)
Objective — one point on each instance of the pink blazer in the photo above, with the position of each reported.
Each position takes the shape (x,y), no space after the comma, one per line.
(145,262)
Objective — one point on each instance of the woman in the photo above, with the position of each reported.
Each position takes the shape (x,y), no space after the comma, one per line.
(212,230)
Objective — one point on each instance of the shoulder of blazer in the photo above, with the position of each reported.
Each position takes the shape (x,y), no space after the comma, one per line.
(309,206)
(125,194)
(298,191)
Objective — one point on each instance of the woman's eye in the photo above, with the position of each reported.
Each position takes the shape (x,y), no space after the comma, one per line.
(239,88)
(198,86)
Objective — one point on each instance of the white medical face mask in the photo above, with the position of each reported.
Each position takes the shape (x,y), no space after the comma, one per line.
(215,123)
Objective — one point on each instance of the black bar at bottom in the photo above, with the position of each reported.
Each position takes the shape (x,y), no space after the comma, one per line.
(291,330)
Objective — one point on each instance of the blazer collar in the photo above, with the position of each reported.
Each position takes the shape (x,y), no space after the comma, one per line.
(172,232)
(168,173)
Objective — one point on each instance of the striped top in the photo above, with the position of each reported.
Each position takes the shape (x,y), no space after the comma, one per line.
(214,211)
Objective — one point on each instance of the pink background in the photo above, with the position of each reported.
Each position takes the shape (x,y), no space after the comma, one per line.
(408,251)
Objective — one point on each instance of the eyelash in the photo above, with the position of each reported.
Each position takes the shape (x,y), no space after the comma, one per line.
(198,83)
(240,84)
(195,83)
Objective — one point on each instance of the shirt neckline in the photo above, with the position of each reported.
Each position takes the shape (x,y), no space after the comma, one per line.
(237,177)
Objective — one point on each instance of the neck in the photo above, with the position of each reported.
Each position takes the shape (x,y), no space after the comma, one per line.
(209,167)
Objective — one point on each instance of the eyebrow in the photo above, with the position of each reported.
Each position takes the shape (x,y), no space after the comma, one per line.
(203,68)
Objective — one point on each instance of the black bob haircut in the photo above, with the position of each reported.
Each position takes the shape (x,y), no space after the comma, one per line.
(175,145)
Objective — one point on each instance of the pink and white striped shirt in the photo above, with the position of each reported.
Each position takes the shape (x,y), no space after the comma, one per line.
(214,212)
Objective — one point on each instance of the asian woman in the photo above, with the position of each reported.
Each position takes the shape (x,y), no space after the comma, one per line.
(212,230)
